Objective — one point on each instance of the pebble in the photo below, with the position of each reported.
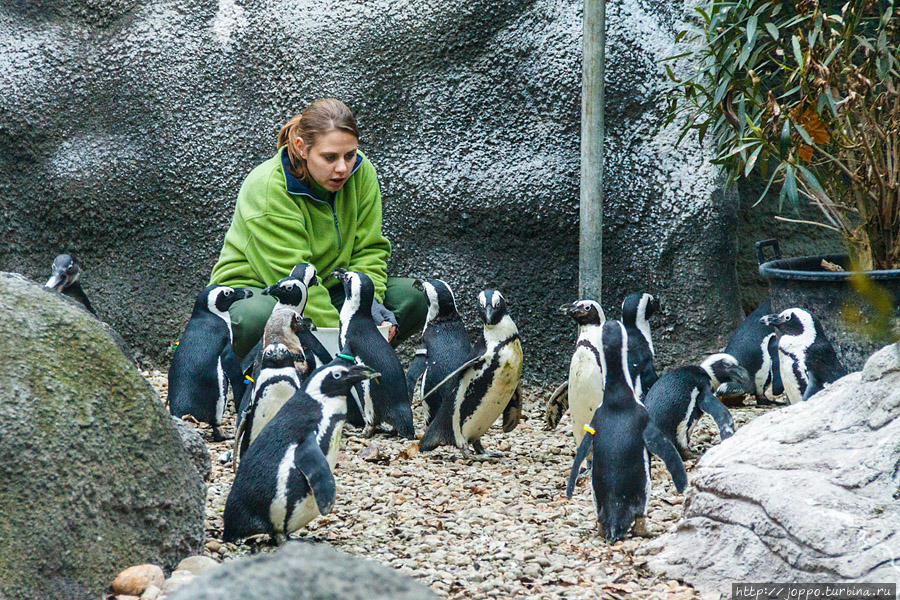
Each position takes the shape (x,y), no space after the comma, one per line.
(482,529)
(151,593)
(196,564)
(134,580)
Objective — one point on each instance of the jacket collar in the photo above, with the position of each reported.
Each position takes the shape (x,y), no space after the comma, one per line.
(297,187)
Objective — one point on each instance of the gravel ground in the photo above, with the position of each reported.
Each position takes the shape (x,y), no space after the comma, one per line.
(484,529)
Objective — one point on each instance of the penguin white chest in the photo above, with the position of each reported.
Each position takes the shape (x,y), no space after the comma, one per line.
(305,511)
(790,367)
(269,402)
(585,390)
(499,390)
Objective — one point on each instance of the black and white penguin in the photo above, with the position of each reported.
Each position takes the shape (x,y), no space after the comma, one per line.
(583,392)
(64,276)
(622,436)
(755,347)
(285,478)
(204,364)
(680,397)
(446,344)
(275,384)
(384,400)
(807,359)
(637,308)
(291,293)
(484,387)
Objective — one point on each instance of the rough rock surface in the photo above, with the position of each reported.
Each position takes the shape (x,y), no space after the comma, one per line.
(308,571)
(469,110)
(195,447)
(92,475)
(803,494)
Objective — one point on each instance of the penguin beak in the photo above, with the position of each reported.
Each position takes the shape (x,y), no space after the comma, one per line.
(418,285)
(773,320)
(57,281)
(242,293)
(359,373)
(571,310)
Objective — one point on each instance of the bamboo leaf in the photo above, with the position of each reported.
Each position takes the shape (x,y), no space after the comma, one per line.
(752,160)
(773,30)
(806,137)
(785,141)
(789,189)
(771,180)
(751,28)
(813,183)
(798,54)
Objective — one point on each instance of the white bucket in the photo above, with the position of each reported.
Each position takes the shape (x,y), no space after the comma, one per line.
(329,336)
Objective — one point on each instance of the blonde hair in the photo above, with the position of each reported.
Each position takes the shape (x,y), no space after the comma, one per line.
(322,116)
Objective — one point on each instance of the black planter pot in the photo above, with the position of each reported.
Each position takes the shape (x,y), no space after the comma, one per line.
(803,283)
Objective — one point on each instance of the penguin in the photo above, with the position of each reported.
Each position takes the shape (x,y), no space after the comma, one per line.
(755,347)
(637,308)
(285,479)
(204,363)
(65,273)
(484,387)
(680,397)
(277,380)
(446,344)
(291,293)
(807,360)
(585,383)
(622,436)
(384,400)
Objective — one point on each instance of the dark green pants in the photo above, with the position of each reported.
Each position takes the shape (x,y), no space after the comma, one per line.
(248,317)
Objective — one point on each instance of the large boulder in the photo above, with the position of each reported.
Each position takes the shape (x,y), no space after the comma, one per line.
(93,477)
(469,110)
(304,571)
(804,494)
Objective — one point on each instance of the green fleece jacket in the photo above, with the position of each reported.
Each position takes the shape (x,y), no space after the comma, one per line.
(279,222)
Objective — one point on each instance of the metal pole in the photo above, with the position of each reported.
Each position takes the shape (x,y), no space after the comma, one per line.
(590,256)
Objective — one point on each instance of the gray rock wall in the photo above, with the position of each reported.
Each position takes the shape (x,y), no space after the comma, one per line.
(93,477)
(127,128)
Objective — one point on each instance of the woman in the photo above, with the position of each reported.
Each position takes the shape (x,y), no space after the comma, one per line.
(316,201)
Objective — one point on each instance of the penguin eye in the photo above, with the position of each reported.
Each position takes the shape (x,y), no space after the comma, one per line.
(336,374)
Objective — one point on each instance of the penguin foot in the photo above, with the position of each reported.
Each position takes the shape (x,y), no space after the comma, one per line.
(369,430)
(640,528)
(764,401)
(489,455)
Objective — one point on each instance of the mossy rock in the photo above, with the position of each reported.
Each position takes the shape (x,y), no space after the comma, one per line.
(93,477)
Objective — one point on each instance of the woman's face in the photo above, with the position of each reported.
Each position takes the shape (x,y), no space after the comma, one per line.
(331,158)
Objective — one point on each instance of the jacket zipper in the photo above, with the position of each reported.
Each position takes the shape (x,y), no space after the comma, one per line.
(337,228)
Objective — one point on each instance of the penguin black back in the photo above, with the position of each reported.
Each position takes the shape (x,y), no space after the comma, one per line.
(203,363)
(755,347)
(386,400)
(637,308)
(446,342)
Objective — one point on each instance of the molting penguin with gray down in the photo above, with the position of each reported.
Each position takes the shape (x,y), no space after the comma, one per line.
(64,278)
(807,359)
(484,387)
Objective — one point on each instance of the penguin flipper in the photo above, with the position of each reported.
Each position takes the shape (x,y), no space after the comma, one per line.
(234,374)
(712,406)
(250,359)
(775,361)
(557,405)
(648,376)
(309,460)
(587,443)
(415,370)
(513,411)
(659,445)
(813,386)
(474,363)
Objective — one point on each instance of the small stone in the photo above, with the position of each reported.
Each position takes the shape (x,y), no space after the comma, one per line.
(126,597)
(176,581)
(134,580)
(196,564)
(213,546)
(151,593)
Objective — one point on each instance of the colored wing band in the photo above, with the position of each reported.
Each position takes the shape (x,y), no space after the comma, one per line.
(590,429)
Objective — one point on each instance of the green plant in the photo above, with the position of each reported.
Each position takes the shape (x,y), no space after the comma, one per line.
(807,93)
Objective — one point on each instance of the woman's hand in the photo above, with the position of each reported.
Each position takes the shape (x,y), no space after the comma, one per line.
(392,331)
(384,317)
